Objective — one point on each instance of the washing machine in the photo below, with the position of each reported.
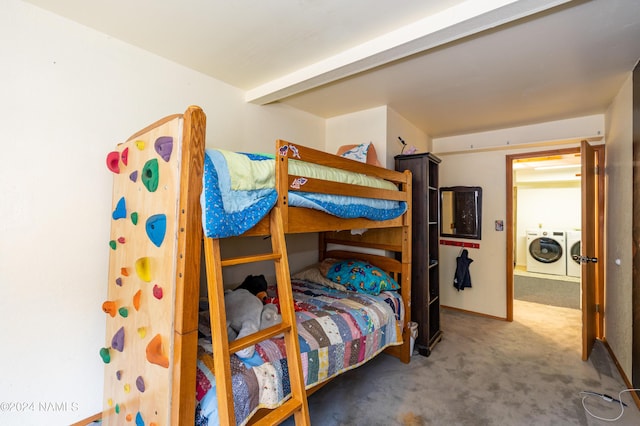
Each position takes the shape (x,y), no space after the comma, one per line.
(546,251)
(573,248)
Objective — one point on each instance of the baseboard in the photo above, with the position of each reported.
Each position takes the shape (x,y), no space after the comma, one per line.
(627,382)
(88,420)
(464,311)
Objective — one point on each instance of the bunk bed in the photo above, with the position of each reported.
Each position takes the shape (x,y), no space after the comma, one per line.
(161,219)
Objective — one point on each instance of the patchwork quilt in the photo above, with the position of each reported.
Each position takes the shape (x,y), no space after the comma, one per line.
(337,331)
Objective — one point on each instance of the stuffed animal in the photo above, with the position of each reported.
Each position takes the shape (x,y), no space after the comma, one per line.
(246,314)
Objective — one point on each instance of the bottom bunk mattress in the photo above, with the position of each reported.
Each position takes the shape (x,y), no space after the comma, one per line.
(337,330)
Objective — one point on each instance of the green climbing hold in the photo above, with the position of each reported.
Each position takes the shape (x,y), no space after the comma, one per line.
(117,408)
(134,218)
(124,312)
(150,175)
(112,244)
(104,354)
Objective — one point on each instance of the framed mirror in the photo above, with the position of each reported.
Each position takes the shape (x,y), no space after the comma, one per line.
(461,212)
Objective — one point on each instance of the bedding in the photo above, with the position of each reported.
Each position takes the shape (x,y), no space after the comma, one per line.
(337,331)
(239,190)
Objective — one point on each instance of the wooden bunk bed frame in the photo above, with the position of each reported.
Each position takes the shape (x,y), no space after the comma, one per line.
(163,369)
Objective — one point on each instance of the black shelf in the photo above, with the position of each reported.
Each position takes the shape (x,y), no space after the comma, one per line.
(425,286)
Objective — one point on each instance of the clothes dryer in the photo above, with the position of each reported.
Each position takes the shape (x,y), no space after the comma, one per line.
(573,248)
(546,251)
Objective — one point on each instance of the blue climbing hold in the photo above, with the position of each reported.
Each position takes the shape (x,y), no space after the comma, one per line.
(139,420)
(156,228)
(121,210)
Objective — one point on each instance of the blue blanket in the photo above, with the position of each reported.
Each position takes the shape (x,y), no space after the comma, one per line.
(234,201)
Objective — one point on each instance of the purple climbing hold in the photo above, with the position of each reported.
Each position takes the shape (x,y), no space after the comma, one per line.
(134,176)
(140,384)
(164,147)
(119,281)
(121,210)
(117,342)
(119,374)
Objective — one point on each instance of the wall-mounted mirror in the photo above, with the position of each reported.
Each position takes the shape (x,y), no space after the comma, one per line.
(461,212)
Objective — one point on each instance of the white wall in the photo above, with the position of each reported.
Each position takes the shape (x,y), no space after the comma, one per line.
(397,125)
(484,165)
(69,94)
(548,206)
(369,125)
(619,221)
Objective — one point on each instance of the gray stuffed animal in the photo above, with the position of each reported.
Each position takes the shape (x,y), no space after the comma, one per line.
(246,314)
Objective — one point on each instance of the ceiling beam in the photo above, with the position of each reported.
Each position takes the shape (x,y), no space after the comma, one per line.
(467,18)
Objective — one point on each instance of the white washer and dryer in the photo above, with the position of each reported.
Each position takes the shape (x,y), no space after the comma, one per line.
(573,248)
(546,251)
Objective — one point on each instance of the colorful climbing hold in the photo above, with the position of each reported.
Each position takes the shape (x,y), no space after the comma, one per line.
(117,408)
(139,421)
(155,353)
(143,268)
(124,312)
(150,175)
(113,161)
(156,228)
(113,244)
(109,307)
(121,240)
(136,300)
(134,176)
(117,342)
(105,355)
(134,218)
(157,292)
(164,146)
(127,388)
(140,145)
(119,374)
(142,331)
(110,402)
(125,156)
(119,281)
(120,210)
(140,384)
(129,417)
(124,271)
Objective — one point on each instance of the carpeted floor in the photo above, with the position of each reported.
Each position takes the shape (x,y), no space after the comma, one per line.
(483,372)
(531,288)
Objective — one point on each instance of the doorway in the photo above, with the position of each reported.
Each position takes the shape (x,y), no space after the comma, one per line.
(592,184)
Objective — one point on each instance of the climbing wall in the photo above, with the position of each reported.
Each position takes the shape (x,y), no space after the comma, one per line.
(142,271)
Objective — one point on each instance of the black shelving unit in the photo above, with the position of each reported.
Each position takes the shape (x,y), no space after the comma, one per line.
(425,279)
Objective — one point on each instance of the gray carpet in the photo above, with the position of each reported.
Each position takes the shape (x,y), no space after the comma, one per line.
(483,372)
(547,291)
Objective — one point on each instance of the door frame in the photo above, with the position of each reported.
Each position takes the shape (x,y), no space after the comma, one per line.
(599,238)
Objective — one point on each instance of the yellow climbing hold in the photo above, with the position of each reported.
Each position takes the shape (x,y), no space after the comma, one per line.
(143,268)
(127,388)
(142,332)
(140,145)
(110,402)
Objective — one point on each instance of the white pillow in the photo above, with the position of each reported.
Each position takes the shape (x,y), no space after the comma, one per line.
(358,153)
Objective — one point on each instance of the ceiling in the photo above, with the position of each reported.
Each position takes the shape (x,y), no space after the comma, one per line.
(448,66)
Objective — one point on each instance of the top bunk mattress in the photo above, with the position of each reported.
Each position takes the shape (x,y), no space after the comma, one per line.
(239,190)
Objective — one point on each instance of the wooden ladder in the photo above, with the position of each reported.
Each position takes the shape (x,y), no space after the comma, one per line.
(222,349)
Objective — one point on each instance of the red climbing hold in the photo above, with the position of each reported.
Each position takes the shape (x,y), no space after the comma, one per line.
(113,161)
(157,292)
(125,156)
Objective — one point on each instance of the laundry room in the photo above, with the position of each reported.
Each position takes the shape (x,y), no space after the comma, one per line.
(547,200)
